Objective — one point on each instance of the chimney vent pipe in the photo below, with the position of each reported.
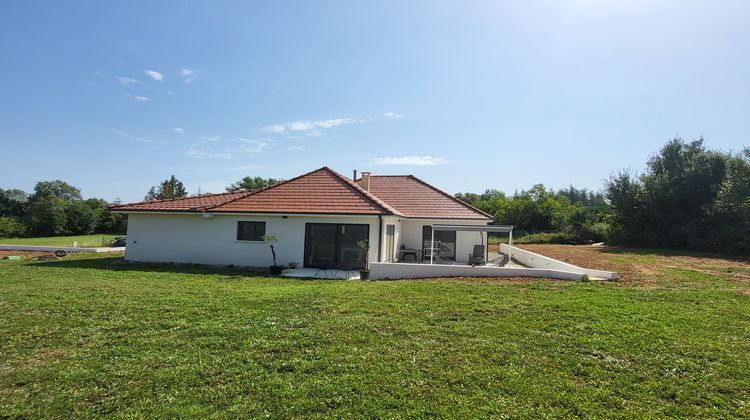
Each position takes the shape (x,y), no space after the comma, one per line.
(366,180)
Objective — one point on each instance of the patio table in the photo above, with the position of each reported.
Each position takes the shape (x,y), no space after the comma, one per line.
(417,253)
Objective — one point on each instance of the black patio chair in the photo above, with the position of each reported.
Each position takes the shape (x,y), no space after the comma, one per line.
(349,264)
(477,256)
(323,264)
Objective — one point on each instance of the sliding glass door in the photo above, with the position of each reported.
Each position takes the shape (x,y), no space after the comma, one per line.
(445,243)
(335,244)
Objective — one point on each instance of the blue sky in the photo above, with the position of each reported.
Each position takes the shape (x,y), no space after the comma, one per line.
(115,96)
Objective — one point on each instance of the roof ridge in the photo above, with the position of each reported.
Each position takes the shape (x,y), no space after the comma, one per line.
(370,196)
(452,197)
(253,192)
(164,200)
(347,181)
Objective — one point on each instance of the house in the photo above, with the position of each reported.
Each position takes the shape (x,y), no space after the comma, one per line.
(319,215)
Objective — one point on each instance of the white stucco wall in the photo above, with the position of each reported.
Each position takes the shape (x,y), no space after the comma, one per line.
(192,238)
(396,222)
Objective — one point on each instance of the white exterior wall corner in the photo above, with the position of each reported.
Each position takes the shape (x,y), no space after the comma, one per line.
(192,238)
(411,234)
(396,222)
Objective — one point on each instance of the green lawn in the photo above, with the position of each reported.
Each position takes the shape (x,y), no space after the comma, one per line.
(90,336)
(83,240)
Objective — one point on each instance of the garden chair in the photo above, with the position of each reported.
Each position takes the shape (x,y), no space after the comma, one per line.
(477,256)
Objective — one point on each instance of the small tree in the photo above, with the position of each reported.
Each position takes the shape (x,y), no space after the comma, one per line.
(272,240)
(46,216)
(364,245)
(167,189)
(56,188)
(80,218)
(253,183)
(11,227)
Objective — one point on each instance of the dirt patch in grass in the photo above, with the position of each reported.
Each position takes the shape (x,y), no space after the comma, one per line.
(45,356)
(23,254)
(487,280)
(642,268)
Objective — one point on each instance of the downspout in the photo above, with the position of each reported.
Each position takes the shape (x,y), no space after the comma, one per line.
(380,238)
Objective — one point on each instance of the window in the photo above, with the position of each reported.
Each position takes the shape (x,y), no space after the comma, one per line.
(445,242)
(251,231)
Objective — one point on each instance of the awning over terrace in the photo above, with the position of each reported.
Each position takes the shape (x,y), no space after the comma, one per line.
(474,228)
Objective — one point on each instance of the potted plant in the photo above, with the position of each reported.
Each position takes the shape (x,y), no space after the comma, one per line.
(364,245)
(272,240)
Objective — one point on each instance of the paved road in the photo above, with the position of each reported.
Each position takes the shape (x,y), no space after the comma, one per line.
(38,248)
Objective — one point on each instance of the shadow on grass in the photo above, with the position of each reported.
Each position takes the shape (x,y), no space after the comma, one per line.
(119,264)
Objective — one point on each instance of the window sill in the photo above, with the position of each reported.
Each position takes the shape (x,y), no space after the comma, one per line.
(248,242)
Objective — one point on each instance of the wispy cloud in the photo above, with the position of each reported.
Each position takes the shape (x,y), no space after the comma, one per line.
(426,160)
(226,149)
(155,75)
(392,115)
(211,139)
(126,81)
(203,154)
(136,139)
(295,148)
(140,98)
(245,168)
(306,126)
(250,145)
(187,74)
(142,140)
(179,130)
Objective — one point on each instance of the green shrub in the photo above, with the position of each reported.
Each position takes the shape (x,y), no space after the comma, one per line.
(11,227)
(549,238)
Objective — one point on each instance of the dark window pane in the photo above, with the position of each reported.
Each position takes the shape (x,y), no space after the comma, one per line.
(334,244)
(445,241)
(251,231)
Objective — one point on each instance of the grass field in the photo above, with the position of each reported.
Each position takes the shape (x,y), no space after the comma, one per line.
(83,240)
(91,336)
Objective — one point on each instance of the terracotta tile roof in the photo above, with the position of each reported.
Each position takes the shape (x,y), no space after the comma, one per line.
(322,191)
(325,191)
(195,203)
(413,197)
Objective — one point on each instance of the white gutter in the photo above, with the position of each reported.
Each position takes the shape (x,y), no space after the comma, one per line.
(211,214)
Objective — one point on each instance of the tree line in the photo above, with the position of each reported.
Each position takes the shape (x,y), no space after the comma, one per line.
(689,197)
(55,208)
(172,187)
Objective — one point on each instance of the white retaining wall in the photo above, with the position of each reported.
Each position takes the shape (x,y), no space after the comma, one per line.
(414,271)
(538,266)
(534,260)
